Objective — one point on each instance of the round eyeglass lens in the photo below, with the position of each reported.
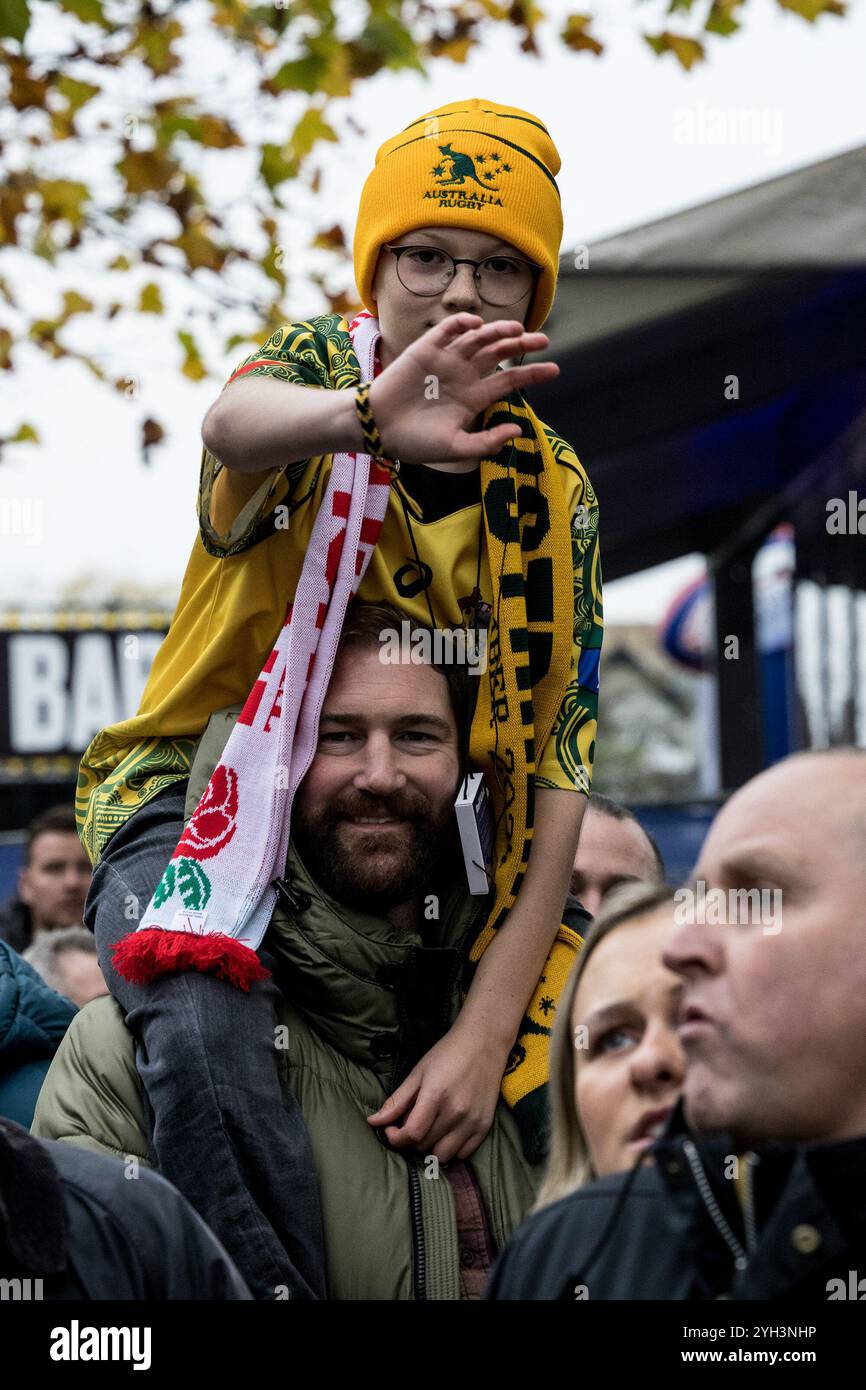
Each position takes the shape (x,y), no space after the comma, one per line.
(501,279)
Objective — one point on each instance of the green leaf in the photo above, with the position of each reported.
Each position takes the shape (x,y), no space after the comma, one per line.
(193,884)
(310,129)
(389,39)
(301,75)
(77,93)
(14,19)
(276,166)
(165,887)
(89,10)
(236,339)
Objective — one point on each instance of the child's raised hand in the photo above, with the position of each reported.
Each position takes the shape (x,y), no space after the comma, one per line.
(424,401)
(446,1105)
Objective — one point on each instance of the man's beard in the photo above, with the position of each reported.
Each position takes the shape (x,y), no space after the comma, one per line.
(374,870)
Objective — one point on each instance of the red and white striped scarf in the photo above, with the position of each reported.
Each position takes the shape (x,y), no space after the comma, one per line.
(213,904)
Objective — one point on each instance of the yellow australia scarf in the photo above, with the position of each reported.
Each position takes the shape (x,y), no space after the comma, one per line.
(529,655)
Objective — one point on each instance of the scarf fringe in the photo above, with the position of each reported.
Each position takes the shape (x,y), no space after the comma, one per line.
(142,956)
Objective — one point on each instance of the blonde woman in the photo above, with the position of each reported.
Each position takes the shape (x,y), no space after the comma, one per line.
(616,1064)
(616,1073)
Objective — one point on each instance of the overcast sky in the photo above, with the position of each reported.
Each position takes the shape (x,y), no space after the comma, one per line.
(634,136)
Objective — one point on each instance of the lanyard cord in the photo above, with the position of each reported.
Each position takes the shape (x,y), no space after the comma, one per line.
(464,733)
(418,561)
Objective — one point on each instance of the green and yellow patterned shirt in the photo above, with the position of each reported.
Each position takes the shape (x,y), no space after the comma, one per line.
(238,582)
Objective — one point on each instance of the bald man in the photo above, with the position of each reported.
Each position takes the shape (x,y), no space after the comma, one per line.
(756,1186)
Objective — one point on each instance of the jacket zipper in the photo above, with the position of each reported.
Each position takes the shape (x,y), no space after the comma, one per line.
(419,1256)
(741,1259)
(750,1159)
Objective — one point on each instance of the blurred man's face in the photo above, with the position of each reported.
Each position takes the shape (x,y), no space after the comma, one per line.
(774,1022)
(610,852)
(54,884)
(371,815)
(82,979)
(404,316)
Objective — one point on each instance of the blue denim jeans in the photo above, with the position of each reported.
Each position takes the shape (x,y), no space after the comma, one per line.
(223,1127)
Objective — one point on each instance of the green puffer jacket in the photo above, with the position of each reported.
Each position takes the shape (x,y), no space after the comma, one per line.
(362,1001)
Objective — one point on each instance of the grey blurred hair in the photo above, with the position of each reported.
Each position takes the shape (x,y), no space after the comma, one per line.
(49,946)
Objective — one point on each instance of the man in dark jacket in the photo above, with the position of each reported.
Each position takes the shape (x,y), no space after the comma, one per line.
(75,1225)
(756,1188)
(33,1020)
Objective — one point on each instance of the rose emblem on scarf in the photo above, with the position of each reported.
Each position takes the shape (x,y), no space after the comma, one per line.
(214,821)
(211,826)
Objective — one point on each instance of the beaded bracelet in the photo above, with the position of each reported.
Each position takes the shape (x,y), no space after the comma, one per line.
(372,439)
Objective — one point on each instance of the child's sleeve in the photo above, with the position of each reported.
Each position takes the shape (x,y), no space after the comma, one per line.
(566,760)
(304,354)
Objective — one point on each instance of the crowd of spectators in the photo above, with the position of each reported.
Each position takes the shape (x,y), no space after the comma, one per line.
(707,1086)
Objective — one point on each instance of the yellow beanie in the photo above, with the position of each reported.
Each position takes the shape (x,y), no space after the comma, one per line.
(471,164)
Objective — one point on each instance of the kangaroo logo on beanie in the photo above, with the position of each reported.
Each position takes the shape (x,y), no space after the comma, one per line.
(456,166)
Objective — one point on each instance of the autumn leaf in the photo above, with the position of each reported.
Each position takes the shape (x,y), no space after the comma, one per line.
(150,300)
(812,9)
(192,365)
(75,303)
(575,37)
(25,434)
(25,89)
(456,50)
(217,134)
(12,205)
(153,42)
(62,198)
(77,93)
(292,65)
(331,240)
(687,51)
(200,251)
(146,171)
(151,433)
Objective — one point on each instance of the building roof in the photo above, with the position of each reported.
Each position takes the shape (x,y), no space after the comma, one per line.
(710,358)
